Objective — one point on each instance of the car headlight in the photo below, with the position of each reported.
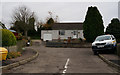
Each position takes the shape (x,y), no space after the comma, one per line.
(93,44)
(113,42)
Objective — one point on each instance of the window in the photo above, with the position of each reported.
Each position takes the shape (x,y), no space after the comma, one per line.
(61,32)
(75,32)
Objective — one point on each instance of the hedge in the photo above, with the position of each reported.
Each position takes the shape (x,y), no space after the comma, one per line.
(118,49)
(8,38)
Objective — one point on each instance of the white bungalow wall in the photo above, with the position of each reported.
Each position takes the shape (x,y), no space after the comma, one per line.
(55,34)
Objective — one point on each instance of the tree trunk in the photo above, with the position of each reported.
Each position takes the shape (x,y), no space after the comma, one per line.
(25,33)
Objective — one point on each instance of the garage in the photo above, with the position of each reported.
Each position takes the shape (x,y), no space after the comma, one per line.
(47,37)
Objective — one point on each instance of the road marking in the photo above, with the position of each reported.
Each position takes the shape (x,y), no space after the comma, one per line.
(66,66)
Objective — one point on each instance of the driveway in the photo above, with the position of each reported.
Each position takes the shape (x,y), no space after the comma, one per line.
(63,60)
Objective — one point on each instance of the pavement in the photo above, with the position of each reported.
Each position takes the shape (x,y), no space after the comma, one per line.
(63,60)
(25,54)
(112,60)
(111,57)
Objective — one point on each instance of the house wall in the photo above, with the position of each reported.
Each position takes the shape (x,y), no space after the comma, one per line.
(68,33)
(55,34)
(81,34)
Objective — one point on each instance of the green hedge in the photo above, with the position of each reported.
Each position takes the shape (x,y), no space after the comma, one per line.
(8,38)
(118,49)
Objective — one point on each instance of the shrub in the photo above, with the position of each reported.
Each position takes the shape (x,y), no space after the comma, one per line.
(8,38)
(20,45)
(19,37)
(65,39)
(32,32)
(118,40)
(114,28)
(80,39)
(118,49)
(13,55)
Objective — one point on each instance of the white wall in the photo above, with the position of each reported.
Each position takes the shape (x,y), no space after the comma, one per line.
(55,34)
(81,34)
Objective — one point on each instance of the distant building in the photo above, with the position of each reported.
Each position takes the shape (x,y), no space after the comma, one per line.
(63,31)
(119,10)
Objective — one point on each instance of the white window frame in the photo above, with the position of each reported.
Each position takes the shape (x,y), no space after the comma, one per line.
(62,32)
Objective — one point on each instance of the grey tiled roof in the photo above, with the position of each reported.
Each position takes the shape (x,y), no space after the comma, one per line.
(67,26)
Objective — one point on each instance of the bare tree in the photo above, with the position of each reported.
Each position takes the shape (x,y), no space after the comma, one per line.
(2,25)
(22,19)
(54,17)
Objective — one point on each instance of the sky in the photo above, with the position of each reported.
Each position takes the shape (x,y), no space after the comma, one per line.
(67,11)
(119,10)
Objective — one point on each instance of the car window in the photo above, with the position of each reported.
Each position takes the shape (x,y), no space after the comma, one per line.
(113,37)
(102,38)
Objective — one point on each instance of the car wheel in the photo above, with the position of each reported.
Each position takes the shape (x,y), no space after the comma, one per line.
(95,52)
(113,51)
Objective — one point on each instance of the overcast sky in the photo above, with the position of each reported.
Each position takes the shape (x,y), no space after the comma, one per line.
(71,11)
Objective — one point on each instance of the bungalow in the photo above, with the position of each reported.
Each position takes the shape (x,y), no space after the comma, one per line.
(63,31)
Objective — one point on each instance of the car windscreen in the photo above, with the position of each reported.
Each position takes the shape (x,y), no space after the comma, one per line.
(102,38)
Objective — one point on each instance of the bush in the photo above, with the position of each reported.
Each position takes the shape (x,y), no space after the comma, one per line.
(118,49)
(13,55)
(8,38)
(80,39)
(114,28)
(118,40)
(32,33)
(19,37)
(20,45)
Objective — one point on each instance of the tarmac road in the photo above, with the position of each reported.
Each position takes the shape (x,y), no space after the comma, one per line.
(64,60)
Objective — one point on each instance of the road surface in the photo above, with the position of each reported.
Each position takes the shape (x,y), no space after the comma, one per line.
(64,60)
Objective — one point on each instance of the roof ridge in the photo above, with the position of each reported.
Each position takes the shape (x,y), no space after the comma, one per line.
(68,26)
(71,23)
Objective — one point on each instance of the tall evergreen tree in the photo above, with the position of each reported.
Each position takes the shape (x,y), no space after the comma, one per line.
(50,21)
(93,24)
(32,31)
(114,28)
(31,23)
(49,24)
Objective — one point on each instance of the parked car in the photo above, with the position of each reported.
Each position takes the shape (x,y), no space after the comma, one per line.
(104,43)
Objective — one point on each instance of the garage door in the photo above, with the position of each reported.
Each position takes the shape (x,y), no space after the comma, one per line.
(47,37)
